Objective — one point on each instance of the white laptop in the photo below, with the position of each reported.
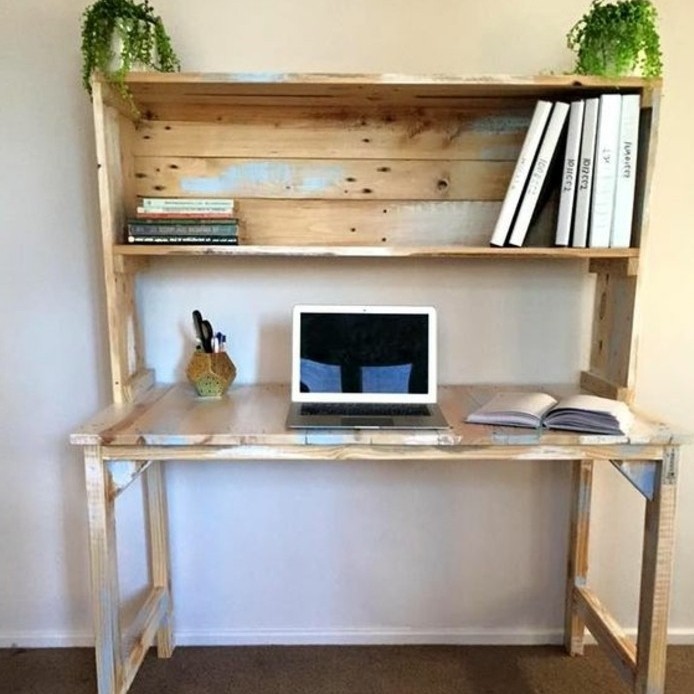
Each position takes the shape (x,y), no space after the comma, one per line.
(364,367)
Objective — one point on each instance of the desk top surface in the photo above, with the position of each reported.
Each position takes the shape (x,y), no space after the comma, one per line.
(254,416)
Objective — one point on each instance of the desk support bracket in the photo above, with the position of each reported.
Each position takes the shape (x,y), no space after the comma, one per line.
(122,473)
(641,473)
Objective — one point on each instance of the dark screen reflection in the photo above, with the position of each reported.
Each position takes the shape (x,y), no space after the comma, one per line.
(364,353)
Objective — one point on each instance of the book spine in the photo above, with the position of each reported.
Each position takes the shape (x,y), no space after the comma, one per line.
(626,172)
(186,240)
(579,238)
(569,174)
(187,204)
(524,163)
(142,213)
(539,173)
(187,229)
(605,178)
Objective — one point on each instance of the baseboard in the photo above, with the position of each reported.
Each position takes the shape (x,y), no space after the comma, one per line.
(47,639)
(331,637)
(365,637)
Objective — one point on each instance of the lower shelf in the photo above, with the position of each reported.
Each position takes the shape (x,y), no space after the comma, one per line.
(380,251)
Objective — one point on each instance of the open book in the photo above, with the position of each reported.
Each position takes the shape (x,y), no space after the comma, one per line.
(587,413)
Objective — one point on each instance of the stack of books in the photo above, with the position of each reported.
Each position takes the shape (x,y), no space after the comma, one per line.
(596,140)
(187,221)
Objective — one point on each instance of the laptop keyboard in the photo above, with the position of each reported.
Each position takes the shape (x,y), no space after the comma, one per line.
(359,409)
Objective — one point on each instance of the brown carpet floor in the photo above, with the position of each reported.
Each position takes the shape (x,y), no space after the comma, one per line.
(340,670)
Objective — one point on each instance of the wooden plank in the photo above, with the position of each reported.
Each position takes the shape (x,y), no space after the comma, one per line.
(284,88)
(618,647)
(334,446)
(112,132)
(323,178)
(366,223)
(142,632)
(596,384)
(308,251)
(613,342)
(117,414)
(160,567)
(656,576)
(471,133)
(624,267)
(577,575)
(365,114)
(138,384)
(177,417)
(104,574)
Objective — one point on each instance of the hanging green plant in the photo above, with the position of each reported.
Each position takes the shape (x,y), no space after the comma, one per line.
(616,39)
(121,35)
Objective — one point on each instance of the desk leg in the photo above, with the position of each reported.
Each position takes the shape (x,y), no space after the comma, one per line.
(581,486)
(656,572)
(104,574)
(159,550)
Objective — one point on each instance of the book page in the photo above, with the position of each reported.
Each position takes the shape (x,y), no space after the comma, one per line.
(590,413)
(514,409)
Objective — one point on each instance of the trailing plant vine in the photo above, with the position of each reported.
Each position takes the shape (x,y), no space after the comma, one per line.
(618,38)
(144,41)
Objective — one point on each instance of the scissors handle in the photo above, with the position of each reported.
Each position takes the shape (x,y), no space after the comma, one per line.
(207,334)
(203,330)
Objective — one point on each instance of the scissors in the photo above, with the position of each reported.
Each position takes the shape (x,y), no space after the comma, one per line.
(203,329)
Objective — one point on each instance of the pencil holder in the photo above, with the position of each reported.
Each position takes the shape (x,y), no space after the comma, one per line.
(211,373)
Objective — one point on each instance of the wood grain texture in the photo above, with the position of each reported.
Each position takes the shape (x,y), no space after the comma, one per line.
(577,562)
(104,574)
(601,386)
(324,179)
(113,133)
(618,647)
(255,416)
(613,343)
(370,166)
(149,89)
(309,251)
(656,576)
(142,632)
(160,564)
(480,131)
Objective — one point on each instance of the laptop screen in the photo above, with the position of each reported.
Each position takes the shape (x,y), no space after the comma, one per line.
(364,354)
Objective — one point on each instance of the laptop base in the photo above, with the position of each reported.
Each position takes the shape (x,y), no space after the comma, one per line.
(297,420)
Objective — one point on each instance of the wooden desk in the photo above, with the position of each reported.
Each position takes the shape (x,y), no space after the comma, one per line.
(170,423)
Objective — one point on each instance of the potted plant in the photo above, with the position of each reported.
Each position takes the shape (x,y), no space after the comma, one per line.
(619,38)
(121,35)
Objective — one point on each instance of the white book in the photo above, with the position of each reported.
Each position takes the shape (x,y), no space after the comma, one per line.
(185,204)
(521,171)
(579,238)
(605,177)
(539,173)
(585,413)
(626,171)
(567,195)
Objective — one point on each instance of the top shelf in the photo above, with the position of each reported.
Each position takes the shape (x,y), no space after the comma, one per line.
(152,88)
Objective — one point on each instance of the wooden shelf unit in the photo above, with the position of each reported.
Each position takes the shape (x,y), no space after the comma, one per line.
(363,166)
(383,166)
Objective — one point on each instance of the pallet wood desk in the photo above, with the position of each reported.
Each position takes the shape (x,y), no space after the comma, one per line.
(170,423)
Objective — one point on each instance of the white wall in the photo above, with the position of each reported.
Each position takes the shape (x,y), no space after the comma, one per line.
(358,552)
